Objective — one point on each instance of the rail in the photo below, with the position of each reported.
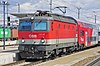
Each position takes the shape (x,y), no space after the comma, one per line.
(93,62)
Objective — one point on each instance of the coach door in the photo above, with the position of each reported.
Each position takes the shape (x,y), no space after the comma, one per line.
(86,36)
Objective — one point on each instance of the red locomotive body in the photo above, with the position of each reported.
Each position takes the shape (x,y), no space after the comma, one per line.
(47,35)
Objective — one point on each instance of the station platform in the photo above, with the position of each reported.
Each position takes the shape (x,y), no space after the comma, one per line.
(10,54)
(8,43)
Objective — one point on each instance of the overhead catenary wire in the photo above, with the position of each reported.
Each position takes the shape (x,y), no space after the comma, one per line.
(73,8)
(85,10)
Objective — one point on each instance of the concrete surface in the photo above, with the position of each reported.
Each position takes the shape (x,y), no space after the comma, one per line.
(8,55)
(6,58)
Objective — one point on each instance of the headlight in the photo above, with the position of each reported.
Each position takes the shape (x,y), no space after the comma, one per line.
(23,41)
(32,48)
(42,40)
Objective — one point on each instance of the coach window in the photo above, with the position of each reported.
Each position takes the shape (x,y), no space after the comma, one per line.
(88,39)
(59,26)
(69,27)
(72,27)
(99,33)
(81,33)
(93,38)
(64,26)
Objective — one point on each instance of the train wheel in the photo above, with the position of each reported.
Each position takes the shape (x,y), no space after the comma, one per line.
(19,56)
(81,47)
(69,50)
(53,55)
(61,52)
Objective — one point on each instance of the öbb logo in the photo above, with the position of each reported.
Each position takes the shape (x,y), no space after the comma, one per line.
(32,36)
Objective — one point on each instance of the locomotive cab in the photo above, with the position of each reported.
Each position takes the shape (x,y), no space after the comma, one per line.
(36,29)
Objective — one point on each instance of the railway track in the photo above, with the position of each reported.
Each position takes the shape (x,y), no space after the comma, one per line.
(94,62)
(86,61)
(33,62)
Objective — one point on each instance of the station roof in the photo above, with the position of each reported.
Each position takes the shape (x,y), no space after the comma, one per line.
(20,15)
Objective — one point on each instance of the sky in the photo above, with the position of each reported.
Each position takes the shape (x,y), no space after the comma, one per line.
(89,8)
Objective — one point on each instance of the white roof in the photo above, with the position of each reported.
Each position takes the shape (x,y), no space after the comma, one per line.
(20,15)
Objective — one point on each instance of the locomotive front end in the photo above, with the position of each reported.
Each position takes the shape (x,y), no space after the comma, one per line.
(32,37)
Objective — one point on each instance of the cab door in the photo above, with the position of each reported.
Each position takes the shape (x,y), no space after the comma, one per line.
(57,33)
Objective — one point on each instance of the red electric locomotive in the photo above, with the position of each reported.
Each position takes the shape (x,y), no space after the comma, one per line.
(45,35)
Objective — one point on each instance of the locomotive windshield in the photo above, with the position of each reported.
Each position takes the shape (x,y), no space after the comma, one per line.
(25,26)
(40,26)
